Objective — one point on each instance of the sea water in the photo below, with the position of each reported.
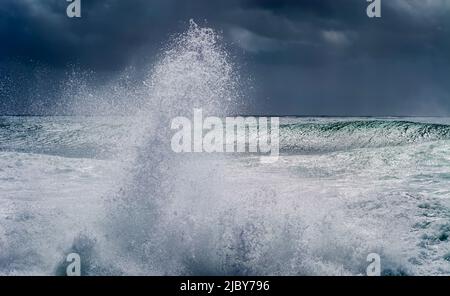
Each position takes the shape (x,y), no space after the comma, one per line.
(111,189)
(342,188)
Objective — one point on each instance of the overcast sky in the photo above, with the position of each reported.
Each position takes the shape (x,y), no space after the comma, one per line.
(305,57)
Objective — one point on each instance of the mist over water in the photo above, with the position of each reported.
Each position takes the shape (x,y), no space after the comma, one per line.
(112,190)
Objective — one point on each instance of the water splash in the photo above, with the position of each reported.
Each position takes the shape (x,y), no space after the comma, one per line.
(194,71)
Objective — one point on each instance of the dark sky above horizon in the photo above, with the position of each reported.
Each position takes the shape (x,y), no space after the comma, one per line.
(305,57)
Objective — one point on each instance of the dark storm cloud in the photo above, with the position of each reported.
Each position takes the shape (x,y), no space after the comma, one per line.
(306,56)
(107,34)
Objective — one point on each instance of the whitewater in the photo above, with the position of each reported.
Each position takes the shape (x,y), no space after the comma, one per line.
(110,188)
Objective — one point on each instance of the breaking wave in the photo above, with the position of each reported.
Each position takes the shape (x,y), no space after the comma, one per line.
(146,216)
(344,135)
(108,137)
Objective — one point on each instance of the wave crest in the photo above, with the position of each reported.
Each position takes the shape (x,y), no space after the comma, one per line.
(344,135)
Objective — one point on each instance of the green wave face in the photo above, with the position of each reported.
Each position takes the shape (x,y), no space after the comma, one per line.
(344,135)
(99,137)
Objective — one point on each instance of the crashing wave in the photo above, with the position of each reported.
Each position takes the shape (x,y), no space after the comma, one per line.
(344,135)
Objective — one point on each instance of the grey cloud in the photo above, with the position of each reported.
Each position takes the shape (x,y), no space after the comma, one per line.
(307,56)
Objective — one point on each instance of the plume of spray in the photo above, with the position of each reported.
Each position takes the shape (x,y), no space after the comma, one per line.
(194,71)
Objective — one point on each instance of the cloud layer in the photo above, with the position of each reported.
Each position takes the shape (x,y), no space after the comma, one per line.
(306,56)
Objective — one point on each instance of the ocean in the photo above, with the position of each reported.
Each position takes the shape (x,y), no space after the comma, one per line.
(111,189)
(343,188)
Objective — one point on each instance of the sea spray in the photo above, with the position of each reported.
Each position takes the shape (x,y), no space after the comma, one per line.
(194,71)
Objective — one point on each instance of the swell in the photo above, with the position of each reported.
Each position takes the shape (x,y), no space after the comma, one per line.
(345,135)
(70,136)
(100,137)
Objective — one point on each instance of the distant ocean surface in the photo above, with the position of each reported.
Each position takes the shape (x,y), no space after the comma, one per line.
(342,188)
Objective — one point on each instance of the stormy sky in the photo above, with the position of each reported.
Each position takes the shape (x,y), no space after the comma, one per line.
(304,57)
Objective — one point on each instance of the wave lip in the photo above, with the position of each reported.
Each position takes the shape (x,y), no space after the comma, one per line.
(345,135)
